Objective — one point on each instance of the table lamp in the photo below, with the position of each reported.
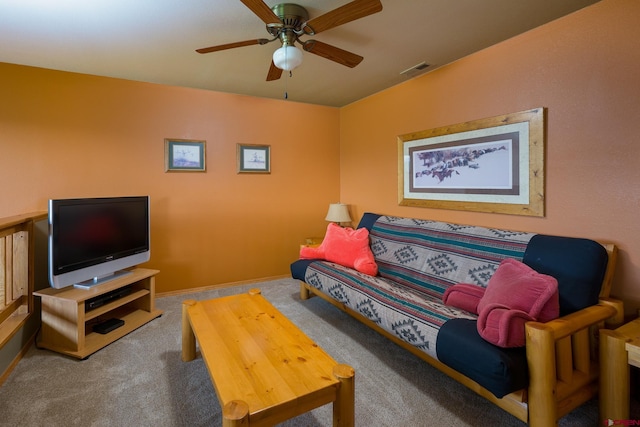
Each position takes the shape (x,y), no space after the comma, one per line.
(338,213)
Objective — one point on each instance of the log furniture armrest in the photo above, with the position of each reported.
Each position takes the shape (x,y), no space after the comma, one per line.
(562,358)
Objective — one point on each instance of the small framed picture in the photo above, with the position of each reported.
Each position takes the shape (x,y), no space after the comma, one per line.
(254,158)
(184,155)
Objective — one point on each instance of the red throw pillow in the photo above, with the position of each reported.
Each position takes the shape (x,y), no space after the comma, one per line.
(503,326)
(516,294)
(344,246)
(464,296)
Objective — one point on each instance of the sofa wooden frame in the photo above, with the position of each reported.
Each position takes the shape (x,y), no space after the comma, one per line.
(562,356)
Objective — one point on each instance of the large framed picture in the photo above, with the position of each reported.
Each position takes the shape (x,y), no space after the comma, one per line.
(254,158)
(489,165)
(184,155)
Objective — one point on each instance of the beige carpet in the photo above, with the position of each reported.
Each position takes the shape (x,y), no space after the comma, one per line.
(141,380)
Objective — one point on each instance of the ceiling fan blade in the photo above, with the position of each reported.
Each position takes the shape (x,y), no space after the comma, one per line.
(333,53)
(232,45)
(263,11)
(349,12)
(274,72)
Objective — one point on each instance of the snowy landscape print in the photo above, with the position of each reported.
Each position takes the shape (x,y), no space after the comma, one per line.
(478,167)
(186,156)
(255,159)
(495,164)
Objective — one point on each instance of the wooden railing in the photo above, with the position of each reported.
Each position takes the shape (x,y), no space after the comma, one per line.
(16,272)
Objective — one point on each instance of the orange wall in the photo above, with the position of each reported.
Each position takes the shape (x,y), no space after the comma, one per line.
(72,135)
(584,69)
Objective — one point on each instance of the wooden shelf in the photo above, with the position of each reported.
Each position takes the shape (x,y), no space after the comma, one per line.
(114,304)
(68,328)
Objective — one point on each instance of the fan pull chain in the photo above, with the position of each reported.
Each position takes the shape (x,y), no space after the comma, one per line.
(286,93)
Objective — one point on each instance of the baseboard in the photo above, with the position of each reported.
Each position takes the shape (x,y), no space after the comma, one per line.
(219,286)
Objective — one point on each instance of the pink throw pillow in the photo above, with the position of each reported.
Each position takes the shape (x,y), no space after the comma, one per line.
(464,296)
(518,286)
(516,294)
(344,246)
(503,326)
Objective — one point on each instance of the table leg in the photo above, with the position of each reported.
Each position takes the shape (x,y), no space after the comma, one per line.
(188,337)
(235,414)
(343,407)
(614,376)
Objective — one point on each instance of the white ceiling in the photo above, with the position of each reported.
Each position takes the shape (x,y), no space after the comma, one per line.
(155,41)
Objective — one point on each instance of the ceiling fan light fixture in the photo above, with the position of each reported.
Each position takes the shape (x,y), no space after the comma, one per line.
(287,57)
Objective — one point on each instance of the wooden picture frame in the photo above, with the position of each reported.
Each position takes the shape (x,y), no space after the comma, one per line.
(253,158)
(489,165)
(185,155)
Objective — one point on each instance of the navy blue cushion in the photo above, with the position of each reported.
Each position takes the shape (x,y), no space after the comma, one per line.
(367,220)
(579,266)
(299,267)
(499,370)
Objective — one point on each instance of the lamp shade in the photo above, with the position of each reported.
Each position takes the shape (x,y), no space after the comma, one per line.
(338,212)
(287,57)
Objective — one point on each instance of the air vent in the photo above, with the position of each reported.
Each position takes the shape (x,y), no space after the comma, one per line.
(415,70)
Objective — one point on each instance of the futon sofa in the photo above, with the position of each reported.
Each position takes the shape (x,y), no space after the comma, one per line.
(430,278)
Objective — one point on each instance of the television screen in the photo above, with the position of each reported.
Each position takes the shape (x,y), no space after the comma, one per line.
(94,237)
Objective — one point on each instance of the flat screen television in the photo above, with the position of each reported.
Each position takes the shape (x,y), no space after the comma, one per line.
(92,240)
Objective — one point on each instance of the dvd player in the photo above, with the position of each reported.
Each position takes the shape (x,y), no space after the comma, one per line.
(101,300)
(108,326)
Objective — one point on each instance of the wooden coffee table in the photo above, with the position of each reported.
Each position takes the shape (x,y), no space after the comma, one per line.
(264,369)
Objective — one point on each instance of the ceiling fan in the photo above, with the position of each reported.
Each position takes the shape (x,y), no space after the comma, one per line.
(287,22)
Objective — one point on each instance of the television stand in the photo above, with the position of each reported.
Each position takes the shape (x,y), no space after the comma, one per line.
(67,321)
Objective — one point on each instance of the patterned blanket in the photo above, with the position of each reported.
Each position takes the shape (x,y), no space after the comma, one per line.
(430,256)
